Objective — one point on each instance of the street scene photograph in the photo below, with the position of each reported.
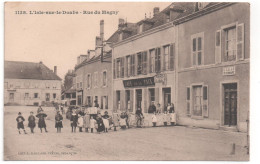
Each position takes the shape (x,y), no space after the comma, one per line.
(126,81)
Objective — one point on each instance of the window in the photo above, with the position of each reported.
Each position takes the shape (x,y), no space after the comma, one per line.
(139,63)
(96,79)
(73,95)
(11,96)
(197,49)
(54,95)
(17,85)
(27,85)
(141,27)
(89,101)
(133,65)
(35,95)
(166,50)
(104,78)
(152,60)
(26,95)
(89,81)
(118,99)
(122,66)
(114,69)
(230,44)
(199,101)
(157,59)
(6,85)
(152,95)
(80,84)
(128,67)
(118,68)
(104,102)
(144,62)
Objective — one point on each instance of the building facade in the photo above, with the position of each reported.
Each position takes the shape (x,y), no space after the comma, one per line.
(27,83)
(213,67)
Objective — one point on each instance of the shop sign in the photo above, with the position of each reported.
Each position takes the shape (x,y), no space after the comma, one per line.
(160,78)
(139,82)
(230,70)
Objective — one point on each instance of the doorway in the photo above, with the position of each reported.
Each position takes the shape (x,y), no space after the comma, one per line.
(230,104)
(138,98)
(166,97)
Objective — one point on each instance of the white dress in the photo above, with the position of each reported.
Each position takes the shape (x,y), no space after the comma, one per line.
(92,123)
(106,123)
(154,118)
(173,117)
(80,121)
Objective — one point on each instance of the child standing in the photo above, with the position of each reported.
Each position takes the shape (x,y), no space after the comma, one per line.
(115,120)
(80,123)
(20,121)
(173,118)
(73,121)
(31,122)
(86,121)
(41,122)
(106,122)
(100,123)
(92,123)
(165,118)
(123,122)
(154,119)
(58,124)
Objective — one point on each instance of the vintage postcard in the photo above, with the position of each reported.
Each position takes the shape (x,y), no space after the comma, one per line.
(154,81)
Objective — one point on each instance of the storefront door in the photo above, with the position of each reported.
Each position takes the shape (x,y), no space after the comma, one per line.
(167,96)
(230,104)
(139,98)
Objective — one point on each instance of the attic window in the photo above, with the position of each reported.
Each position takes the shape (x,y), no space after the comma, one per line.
(141,27)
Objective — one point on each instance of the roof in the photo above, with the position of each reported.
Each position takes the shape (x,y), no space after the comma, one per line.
(28,70)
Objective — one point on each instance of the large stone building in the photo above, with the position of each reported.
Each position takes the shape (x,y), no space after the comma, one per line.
(195,55)
(27,83)
(213,66)
(93,79)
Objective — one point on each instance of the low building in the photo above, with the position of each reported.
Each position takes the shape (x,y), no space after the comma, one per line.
(27,83)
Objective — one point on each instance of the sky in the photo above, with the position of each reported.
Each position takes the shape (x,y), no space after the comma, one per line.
(58,39)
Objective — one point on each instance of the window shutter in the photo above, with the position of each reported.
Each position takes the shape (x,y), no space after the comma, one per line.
(162,60)
(188,101)
(145,100)
(102,105)
(122,99)
(114,101)
(122,66)
(156,59)
(159,59)
(218,47)
(194,46)
(205,101)
(144,54)
(172,55)
(240,41)
(106,102)
(131,100)
(114,68)
(135,64)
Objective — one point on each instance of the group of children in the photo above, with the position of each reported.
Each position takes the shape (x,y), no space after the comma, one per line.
(83,119)
(31,121)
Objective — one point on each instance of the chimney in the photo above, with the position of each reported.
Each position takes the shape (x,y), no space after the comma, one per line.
(102,30)
(156,10)
(121,23)
(55,70)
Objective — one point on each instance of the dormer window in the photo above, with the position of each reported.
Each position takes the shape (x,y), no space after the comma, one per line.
(121,36)
(141,27)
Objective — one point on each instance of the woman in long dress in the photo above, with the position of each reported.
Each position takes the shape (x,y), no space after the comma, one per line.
(41,122)
(106,121)
(100,123)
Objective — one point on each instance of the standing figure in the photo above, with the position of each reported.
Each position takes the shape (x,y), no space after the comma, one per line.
(73,120)
(154,119)
(80,122)
(31,122)
(165,118)
(115,120)
(127,119)
(122,121)
(139,117)
(86,121)
(171,108)
(152,108)
(58,124)
(173,118)
(92,123)
(159,108)
(106,121)
(39,109)
(100,123)
(20,121)
(41,122)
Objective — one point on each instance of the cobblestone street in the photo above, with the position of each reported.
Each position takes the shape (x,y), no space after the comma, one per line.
(161,143)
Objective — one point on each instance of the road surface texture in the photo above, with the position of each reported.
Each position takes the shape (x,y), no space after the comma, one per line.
(160,143)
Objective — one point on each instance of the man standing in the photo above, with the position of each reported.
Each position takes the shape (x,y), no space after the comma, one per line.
(152,108)
(139,116)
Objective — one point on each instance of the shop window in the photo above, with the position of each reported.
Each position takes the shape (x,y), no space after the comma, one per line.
(197,49)
(35,95)
(152,95)
(152,60)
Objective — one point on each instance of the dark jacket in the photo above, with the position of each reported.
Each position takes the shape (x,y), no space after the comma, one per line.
(74,119)
(31,121)
(41,122)
(152,109)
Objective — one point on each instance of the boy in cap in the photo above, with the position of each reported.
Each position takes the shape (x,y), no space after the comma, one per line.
(20,121)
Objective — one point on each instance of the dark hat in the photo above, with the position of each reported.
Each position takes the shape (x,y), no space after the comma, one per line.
(19,113)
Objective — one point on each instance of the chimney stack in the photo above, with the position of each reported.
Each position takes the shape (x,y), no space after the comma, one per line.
(121,23)
(55,70)
(156,10)
(102,30)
